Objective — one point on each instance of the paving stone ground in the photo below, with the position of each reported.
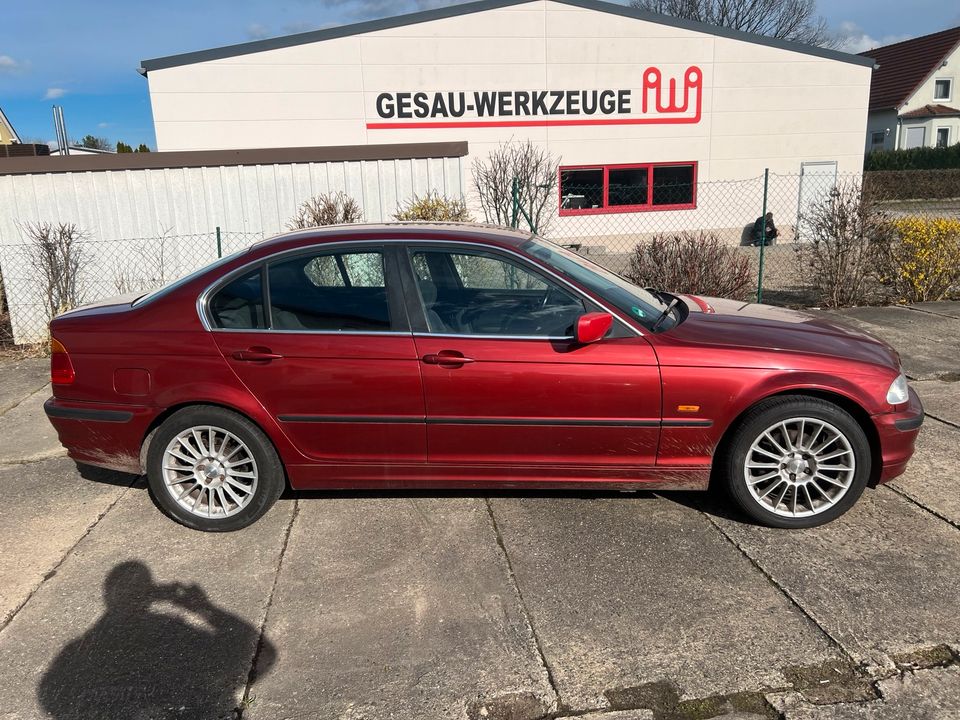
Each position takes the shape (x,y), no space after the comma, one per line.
(516,606)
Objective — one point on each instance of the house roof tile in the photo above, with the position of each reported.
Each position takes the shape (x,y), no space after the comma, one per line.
(905,65)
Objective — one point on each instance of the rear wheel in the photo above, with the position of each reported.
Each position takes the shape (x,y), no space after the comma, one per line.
(797,462)
(212,469)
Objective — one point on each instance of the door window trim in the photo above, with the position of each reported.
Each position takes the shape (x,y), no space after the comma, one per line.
(395,301)
(403,266)
(415,310)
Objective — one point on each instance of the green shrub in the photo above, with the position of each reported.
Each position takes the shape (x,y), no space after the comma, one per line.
(696,263)
(435,208)
(327,209)
(921,158)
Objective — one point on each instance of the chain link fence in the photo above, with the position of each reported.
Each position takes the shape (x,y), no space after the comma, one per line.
(767,224)
(762,228)
(105,268)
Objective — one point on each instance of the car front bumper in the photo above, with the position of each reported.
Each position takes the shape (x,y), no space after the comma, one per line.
(898,432)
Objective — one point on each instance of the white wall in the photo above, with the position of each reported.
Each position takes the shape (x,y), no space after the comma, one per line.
(132,215)
(762,106)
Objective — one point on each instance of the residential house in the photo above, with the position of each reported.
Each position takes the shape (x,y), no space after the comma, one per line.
(914,98)
(8,135)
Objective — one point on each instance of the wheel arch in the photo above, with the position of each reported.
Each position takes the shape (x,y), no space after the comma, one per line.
(851,406)
(155,424)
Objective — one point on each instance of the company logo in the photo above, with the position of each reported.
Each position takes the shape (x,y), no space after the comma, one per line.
(661,102)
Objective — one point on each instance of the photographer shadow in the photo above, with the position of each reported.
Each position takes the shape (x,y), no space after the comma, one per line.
(158,651)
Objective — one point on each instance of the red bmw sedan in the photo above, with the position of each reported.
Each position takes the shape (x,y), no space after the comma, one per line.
(414,355)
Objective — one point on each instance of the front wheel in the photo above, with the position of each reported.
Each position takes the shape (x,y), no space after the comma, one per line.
(212,469)
(797,462)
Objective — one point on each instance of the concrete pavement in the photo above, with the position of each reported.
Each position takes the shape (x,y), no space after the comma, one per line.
(513,606)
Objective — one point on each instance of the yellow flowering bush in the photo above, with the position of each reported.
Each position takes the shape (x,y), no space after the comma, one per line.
(923,261)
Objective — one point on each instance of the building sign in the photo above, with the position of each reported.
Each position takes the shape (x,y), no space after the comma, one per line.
(659,100)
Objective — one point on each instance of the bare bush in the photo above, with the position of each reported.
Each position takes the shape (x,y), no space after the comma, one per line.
(327,209)
(535,172)
(436,208)
(696,263)
(840,261)
(56,253)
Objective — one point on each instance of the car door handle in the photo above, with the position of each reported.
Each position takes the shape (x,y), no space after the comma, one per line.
(447,357)
(256,354)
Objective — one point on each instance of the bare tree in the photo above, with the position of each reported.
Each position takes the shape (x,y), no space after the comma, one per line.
(327,209)
(57,255)
(535,172)
(846,232)
(785,19)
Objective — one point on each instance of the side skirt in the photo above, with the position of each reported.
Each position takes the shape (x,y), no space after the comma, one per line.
(337,476)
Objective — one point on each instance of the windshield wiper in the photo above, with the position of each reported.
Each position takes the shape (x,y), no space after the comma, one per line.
(665,314)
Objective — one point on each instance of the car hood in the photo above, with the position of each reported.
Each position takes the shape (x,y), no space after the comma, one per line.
(730,323)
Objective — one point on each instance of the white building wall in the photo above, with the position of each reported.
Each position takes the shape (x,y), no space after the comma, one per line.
(761,106)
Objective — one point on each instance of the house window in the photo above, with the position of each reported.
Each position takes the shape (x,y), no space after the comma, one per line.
(943,137)
(877,140)
(942,89)
(627,188)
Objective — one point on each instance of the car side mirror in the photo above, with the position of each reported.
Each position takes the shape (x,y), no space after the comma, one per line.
(592,327)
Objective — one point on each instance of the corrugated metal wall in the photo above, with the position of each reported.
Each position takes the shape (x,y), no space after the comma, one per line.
(121,209)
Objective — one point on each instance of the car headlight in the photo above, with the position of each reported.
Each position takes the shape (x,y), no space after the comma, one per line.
(898,392)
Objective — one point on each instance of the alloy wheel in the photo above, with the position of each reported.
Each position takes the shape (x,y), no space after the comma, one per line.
(799,467)
(210,472)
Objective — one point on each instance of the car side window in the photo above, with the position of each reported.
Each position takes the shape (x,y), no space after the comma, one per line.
(330,291)
(239,305)
(486,294)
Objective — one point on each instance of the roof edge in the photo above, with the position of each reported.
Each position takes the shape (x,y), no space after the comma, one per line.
(213,158)
(368,26)
(13,130)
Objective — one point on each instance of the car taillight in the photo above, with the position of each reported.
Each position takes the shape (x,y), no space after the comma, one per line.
(61,369)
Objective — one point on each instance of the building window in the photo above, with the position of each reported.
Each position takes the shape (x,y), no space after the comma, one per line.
(942,89)
(877,140)
(943,137)
(627,188)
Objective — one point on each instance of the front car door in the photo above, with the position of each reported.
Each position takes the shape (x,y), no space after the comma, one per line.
(320,337)
(505,382)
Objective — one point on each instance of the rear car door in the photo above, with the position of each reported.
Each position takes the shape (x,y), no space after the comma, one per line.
(320,337)
(504,379)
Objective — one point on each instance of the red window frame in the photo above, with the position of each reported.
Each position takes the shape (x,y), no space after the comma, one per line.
(606,208)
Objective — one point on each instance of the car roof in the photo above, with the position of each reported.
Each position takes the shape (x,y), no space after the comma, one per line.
(452,231)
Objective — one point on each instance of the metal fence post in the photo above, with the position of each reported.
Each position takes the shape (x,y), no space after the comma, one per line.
(763,234)
(219,245)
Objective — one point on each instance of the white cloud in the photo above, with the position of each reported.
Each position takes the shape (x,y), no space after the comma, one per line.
(854,39)
(9,66)
(256,31)
(54,93)
(104,125)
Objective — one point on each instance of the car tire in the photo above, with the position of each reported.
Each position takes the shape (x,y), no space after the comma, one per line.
(788,463)
(212,469)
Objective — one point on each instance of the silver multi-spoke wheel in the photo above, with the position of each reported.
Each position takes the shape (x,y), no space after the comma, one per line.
(210,472)
(799,467)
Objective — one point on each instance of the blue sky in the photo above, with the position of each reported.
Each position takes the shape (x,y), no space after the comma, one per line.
(85,56)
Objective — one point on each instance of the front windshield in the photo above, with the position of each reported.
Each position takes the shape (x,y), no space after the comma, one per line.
(619,292)
(163,290)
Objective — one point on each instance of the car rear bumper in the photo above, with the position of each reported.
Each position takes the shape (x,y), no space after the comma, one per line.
(106,435)
(898,432)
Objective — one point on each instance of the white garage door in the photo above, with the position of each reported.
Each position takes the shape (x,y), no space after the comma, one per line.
(916,137)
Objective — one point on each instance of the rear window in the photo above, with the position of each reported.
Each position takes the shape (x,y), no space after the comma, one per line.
(239,305)
(340,292)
